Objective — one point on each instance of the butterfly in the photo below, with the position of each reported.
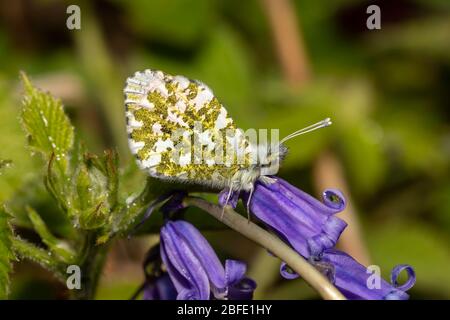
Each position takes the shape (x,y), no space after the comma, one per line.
(180,132)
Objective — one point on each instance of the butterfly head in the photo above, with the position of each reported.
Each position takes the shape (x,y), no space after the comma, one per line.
(271,164)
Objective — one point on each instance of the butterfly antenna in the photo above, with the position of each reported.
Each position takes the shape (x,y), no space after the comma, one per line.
(321,124)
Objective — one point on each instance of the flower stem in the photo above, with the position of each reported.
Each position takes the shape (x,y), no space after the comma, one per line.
(91,263)
(277,247)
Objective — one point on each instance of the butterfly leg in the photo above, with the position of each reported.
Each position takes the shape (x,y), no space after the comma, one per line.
(248,203)
(230,192)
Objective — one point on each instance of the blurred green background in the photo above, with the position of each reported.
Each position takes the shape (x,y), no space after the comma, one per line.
(274,64)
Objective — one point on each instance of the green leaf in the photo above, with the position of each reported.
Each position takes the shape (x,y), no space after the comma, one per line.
(26,250)
(94,194)
(34,194)
(60,248)
(6,254)
(48,127)
(395,242)
(56,183)
(126,218)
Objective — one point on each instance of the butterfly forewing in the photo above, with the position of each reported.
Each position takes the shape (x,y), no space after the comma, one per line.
(179,130)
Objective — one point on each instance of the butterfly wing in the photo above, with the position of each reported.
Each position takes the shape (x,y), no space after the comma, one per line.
(173,121)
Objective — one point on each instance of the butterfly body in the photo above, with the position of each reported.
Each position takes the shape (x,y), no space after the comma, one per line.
(180,132)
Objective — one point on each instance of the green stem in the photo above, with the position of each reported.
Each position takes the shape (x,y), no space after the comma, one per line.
(91,264)
(257,234)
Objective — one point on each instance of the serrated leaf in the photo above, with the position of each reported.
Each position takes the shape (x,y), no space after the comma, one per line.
(48,127)
(6,254)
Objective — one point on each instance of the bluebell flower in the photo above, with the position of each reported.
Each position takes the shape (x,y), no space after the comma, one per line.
(308,225)
(304,222)
(195,270)
(355,281)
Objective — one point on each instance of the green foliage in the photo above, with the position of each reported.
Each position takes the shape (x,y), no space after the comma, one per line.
(20,166)
(94,194)
(23,249)
(84,187)
(48,128)
(60,248)
(6,254)
(157,19)
(428,254)
(34,193)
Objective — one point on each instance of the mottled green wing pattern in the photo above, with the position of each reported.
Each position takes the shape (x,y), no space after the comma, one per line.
(168,117)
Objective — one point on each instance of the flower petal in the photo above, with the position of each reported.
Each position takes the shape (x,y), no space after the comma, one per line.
(306,223)
(411,277)
(184,268)
(334,198)
(328,207)
(203,251)
(233,198)
(286,272)
(354,279)
(234,271)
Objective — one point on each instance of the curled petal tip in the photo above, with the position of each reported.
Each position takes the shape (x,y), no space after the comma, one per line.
(287,273)
(334,199)
(409,282)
